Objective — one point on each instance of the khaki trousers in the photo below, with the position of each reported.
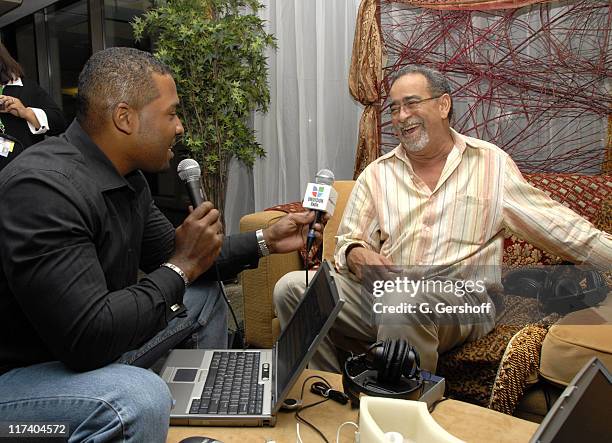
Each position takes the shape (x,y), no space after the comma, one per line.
(358,326)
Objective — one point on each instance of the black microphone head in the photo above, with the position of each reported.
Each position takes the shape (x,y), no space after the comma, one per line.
(188,170)
(325,177)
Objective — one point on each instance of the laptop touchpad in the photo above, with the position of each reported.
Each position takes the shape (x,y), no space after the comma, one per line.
(185,375)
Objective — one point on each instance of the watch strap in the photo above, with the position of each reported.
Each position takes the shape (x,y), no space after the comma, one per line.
(264,251)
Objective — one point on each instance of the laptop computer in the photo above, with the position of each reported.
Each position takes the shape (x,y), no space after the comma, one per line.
(247,387)
(583,412)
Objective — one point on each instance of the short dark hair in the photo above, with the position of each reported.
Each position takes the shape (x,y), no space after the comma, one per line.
(113,76)
(9,68)
(437,83)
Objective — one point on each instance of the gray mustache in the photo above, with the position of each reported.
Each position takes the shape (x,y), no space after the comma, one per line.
(411,123)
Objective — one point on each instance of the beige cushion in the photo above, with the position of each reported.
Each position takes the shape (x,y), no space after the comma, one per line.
(344,189)
(574,340)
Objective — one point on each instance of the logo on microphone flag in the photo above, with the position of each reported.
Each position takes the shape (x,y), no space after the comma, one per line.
(318,191)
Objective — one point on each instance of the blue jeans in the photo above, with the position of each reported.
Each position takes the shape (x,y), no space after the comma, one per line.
(119,402)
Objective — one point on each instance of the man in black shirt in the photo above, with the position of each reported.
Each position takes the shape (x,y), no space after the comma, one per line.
(77,222)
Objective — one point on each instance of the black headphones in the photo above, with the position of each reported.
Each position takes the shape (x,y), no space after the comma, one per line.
(558,288)
(389,368)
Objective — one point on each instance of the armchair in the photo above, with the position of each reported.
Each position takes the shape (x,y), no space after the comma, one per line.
(261,325)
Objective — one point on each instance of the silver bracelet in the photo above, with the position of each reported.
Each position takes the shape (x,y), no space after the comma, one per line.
(178,270)
(261,241)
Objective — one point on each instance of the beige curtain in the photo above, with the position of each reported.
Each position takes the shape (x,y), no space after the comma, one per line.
(365,77)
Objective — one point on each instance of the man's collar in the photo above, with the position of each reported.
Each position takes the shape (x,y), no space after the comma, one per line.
(101,168)
(459,140)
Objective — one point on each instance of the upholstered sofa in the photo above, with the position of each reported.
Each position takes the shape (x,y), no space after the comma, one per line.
(522,351)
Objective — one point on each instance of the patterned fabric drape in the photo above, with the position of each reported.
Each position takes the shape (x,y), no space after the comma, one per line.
(464,5)
(365,77)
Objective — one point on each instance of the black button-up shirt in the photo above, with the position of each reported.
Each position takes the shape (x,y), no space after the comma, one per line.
(73,234)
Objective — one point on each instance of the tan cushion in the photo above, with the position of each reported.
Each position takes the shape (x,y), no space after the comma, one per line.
(344,189)
(574,340)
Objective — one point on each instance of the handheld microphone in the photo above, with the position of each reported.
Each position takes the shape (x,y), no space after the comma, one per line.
(320,197)
(189,172)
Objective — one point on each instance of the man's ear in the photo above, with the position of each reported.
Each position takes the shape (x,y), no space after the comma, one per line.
(125,118)
(445,105)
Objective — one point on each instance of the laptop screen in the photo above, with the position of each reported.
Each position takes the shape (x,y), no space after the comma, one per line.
(583,411)
(308,320)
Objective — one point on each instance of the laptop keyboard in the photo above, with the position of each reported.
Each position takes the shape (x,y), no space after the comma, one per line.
(231,386)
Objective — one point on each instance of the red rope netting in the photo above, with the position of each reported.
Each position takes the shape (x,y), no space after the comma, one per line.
(535,80)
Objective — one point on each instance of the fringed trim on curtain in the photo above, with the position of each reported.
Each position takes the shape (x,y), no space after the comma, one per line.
(466,5)
(519,364)
(365,77)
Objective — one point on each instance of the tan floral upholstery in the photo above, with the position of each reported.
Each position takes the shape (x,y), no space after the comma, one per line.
(589,196)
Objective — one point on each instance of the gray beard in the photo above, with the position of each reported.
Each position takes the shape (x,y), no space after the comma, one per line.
(417,146)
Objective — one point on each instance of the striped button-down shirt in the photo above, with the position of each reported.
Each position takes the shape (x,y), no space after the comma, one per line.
(461,222)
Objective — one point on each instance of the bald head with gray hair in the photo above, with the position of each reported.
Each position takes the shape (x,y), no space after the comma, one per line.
(437,83)
(113,76)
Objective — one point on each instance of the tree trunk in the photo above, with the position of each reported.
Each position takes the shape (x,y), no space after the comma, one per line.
(215,186)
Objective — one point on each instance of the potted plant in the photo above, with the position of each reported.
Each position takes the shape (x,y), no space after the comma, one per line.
(216,51)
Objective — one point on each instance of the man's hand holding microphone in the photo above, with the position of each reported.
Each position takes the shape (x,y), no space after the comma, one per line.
(290,233)
(198,241)
(304,229)
(199,238)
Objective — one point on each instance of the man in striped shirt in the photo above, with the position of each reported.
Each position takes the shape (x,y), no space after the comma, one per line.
(438,204)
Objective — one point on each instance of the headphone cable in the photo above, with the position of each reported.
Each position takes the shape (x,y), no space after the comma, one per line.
(301,419)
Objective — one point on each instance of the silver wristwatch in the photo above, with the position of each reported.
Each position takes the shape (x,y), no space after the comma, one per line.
(261,241)
(178,270)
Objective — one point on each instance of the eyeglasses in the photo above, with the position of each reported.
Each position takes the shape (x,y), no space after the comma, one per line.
(410,106)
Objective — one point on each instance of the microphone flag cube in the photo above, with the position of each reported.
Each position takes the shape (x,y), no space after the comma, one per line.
(319,197)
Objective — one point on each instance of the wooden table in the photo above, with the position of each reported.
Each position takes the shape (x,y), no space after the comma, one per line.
(466,421)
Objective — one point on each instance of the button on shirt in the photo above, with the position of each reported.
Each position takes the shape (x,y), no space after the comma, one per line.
(74,234)
(460,223)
